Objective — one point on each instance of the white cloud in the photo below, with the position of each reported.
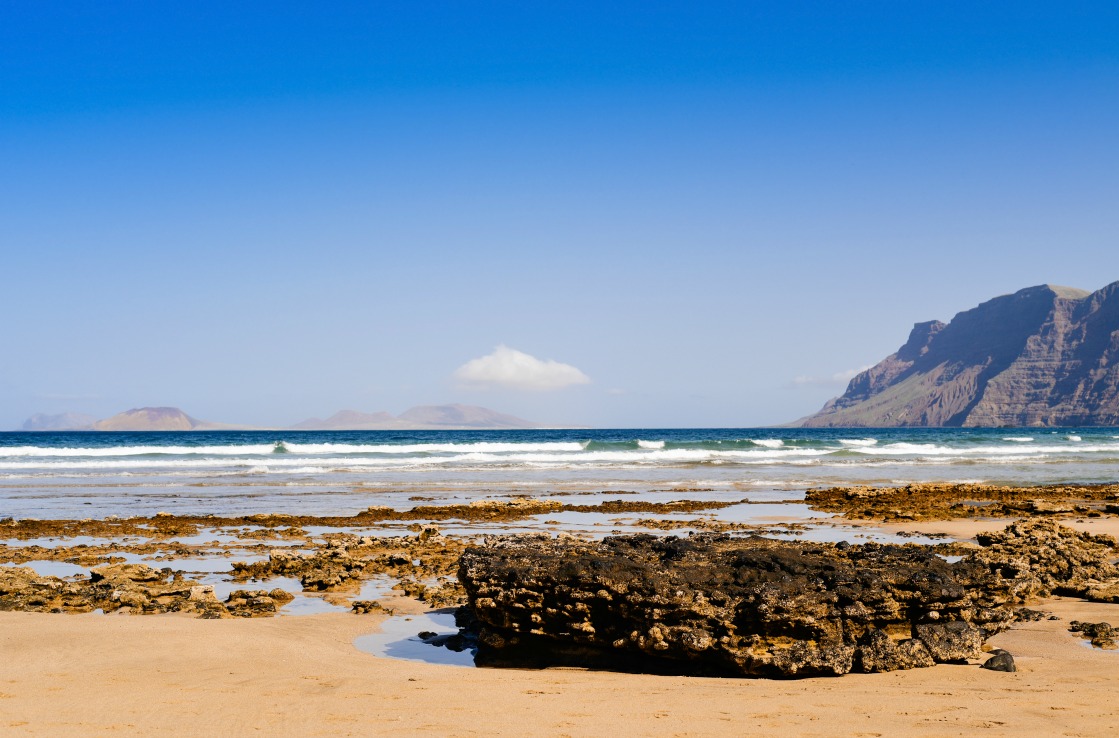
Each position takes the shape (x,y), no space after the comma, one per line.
(509,368)
(835,380)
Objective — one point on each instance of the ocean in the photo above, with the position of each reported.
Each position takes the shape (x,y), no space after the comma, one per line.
(94,475)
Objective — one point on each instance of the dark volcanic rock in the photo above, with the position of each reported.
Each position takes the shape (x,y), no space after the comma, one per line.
(1000,661)
(1102,635)
(713,604)
(1045,356)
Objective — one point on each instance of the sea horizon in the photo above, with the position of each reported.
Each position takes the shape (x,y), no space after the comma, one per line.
(102,473)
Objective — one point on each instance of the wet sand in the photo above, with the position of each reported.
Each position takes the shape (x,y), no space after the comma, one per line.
(88,675)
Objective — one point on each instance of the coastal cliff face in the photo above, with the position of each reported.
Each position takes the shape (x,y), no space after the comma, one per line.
(1044,356)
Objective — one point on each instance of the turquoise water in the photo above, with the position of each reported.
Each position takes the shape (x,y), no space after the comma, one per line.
(325,472)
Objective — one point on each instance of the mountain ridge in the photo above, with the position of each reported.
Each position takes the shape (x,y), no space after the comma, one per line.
(1042,356)
(422,417)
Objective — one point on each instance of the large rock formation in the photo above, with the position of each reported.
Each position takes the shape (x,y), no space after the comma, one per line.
(718,605)
(713,604)
(1044,356)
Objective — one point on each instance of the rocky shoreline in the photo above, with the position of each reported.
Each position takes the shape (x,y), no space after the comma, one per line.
(721,600)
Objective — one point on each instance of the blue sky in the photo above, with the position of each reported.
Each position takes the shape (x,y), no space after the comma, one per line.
(264,211)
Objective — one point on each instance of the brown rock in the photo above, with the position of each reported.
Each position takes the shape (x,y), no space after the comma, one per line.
(713,604)
(1046,356)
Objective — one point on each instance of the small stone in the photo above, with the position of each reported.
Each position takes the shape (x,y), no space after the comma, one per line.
(1000,661)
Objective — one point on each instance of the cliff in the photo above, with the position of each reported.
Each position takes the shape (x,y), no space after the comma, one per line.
(1043,356)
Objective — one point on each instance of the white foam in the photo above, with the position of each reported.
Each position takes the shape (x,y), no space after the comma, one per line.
(290,448)
(768,442)
(1074,438)
(650,444)
(977,452)
(859,442)
(1018,439)
(291,462)
(73,452)
(430,448)
(908,448)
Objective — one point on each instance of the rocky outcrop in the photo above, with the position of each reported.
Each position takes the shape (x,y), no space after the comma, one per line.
(423,565)
(136,588)
(717,605)
(1038,558)
(257,602)
(1044,356)
(712,604)
(1100,635)
(941,501)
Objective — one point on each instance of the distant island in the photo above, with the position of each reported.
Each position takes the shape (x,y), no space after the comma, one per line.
(1043,356)
(60,422)
(423,417)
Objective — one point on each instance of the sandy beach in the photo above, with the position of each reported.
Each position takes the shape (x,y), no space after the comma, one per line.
(83,673)
(87,674)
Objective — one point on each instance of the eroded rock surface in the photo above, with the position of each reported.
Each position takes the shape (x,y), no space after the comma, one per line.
(1037,558)
(139,588)
(714,604)
(423,565)
(940,501)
